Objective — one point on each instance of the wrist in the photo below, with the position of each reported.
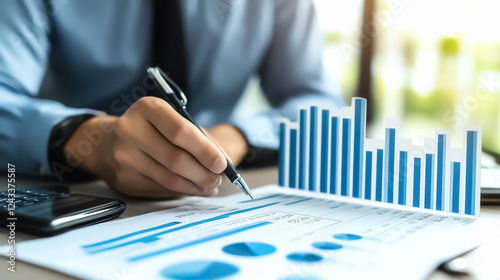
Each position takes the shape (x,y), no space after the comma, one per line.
(59,136)
(85,149)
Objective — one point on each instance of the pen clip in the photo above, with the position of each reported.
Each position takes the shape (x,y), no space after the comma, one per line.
(164,81)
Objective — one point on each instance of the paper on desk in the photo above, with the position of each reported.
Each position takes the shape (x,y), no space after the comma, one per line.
(285,234)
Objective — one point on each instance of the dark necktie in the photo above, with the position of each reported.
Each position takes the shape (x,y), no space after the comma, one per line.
(168,41)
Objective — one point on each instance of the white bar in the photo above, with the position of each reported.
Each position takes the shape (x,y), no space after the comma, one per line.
(390,124)
(306,159)
(295,125)
(430,147)
(418,151)
(477,196)
(457,155)
(286,173)
(338,174)
(447,184)
(348,113)
(405,145)
(372,145)
(319,138)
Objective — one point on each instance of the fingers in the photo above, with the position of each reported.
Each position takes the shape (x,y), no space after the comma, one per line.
(176,160)
(183,133)
(157,151)
(132,183)
(180,162)
(132,160)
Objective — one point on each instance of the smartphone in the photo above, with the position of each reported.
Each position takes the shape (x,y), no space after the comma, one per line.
(49,211)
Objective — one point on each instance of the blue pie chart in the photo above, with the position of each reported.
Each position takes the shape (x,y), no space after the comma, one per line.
(304,257)
(249,249)
(347,236)
(327,245)
(199,270)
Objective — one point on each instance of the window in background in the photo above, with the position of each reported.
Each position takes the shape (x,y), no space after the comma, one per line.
(436,63)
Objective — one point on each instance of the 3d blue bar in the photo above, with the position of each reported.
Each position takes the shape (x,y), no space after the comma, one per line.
(441,169)
(417,172)
(470,172)
(346,157)
(358,148)
(334,154)
(313,134)
(325,117)
(282,163)
(292,179)
(455,185)
(429,180)
(390,150)
(403,158)
(368,175)
(380,176)
(302,149)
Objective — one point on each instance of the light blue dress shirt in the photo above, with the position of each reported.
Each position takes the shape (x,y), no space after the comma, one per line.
(90,56)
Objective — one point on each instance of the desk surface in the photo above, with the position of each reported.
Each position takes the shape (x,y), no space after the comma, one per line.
(483,264)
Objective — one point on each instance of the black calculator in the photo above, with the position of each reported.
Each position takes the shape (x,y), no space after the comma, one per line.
(49,211)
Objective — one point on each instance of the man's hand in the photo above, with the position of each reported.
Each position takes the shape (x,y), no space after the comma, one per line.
(152,151)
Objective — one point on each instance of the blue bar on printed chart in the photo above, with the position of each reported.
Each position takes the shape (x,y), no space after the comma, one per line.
(429,180)
(390,149)
(455,186)
(334,154)
(302,149)
(313,134)
(417,173)
(325,117)
(346,157)
(368,175)
(441,169)
(358,148)
(470,172)
(403,155)
(156,235)
(281,176)
(292,173)
(380,176)
(198,241)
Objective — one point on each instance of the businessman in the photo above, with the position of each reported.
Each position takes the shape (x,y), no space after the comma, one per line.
(75,100)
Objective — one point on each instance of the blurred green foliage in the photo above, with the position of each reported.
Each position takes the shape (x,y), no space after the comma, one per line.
(449,46)
(332,37)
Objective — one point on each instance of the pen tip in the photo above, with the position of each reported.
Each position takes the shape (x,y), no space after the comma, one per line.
(251,197)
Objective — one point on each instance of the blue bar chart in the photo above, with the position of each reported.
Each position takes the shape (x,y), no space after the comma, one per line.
(327,151)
